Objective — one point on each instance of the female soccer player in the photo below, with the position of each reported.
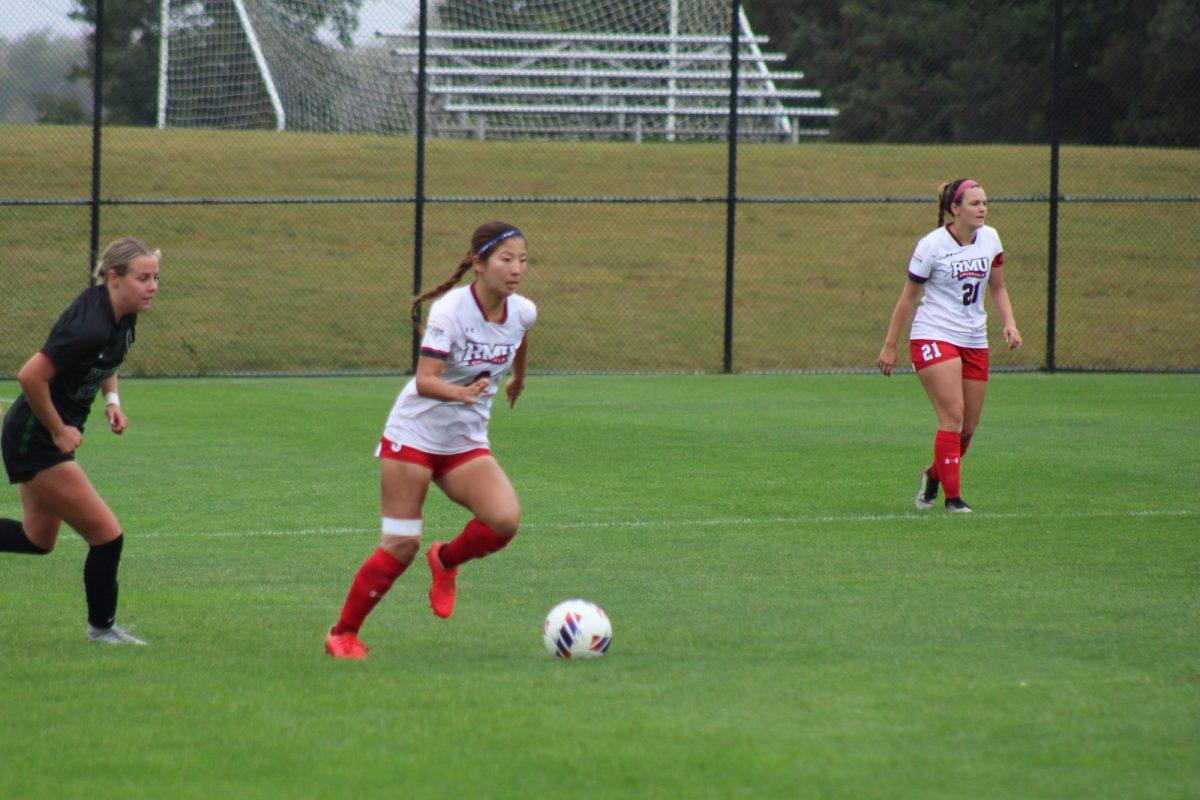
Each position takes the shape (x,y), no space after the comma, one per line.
(948,342)
(437,430)
(44,427)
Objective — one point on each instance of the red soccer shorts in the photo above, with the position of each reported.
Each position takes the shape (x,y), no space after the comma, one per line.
(440,464)
(932,351)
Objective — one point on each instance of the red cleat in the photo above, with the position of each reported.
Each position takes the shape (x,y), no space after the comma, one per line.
(441,591)
(346,645)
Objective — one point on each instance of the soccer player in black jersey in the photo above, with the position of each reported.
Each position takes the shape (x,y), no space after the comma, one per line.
(44,427)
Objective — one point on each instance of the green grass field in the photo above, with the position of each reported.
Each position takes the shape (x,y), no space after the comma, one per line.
(633,287)
(786,625)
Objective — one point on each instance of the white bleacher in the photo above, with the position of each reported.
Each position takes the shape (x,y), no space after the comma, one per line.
(544,84)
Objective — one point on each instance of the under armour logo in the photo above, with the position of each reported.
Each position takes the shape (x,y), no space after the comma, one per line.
(395,447)
(950,461)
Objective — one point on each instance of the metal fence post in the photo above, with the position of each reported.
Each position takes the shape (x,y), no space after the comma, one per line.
(419,191)
(97,124)
(1055,136)
(731,187)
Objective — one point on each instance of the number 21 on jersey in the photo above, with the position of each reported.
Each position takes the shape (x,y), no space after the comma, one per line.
(970,293)
(930,351)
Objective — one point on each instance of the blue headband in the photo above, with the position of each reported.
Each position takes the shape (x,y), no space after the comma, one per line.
(508,234)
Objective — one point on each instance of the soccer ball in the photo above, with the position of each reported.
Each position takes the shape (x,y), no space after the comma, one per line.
(577,629)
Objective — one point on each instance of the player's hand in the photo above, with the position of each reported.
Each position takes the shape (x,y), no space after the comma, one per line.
(68,439)
(471,394)
(1012,337)
(116,420)
(887,360)
(513,389)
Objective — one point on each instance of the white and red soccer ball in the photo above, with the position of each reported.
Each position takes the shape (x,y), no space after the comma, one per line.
(577,629)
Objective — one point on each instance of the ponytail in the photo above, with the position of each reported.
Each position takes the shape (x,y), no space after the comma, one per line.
(439,290)
(945,192)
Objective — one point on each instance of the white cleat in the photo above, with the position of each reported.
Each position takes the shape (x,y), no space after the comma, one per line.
(113,635)
(927,492)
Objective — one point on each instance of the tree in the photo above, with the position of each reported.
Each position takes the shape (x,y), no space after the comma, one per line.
(130,58)
(54,109)
(920,71)
(33,72)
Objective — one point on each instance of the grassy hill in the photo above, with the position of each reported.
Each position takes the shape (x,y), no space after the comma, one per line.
(621,286)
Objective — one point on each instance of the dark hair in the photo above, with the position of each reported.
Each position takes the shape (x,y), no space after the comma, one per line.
(483,240)
(946,194)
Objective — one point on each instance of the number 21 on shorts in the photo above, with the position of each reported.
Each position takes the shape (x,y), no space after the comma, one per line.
(930,351)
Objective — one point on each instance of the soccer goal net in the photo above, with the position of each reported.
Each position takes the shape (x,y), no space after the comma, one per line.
(495,68)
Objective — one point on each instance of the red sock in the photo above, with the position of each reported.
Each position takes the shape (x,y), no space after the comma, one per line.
(372,582)
(946,454)
(476,541)
(964,441)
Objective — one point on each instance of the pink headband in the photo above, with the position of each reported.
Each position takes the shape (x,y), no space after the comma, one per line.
(962,187)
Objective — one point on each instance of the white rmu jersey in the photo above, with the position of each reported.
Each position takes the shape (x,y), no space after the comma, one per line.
(473,348)
(955,276)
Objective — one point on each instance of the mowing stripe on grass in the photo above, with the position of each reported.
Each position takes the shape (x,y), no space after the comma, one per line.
(695,523)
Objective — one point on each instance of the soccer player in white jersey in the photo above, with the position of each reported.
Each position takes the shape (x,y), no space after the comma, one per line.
(948,341)
(437,430)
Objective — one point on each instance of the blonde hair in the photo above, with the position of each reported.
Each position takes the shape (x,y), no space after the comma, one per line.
(483,239)
(119,255)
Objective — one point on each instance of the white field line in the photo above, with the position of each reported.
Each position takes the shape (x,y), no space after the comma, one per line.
(727,522)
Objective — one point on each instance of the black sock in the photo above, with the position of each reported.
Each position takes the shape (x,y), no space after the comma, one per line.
(100,582)
(14,540)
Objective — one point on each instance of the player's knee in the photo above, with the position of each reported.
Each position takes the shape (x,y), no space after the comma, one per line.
(401,538)
(402,548)
(504,522)
(952,419)
(102,533)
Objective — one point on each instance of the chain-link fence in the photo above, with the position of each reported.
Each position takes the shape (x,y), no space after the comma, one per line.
(306,165)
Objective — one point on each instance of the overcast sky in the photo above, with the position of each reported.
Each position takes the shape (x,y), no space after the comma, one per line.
(18,17)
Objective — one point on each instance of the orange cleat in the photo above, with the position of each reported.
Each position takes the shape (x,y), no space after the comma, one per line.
(441,591)
(346,645)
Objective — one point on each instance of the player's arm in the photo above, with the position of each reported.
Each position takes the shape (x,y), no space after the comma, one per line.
(112,405)
(516,383)
(1012,336)
(35,379)
(900,316)
(431,385)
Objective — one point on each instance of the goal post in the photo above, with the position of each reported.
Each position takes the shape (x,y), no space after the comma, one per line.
(607,69)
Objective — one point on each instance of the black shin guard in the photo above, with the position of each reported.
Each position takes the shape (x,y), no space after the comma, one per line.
(100,582)
(14,540)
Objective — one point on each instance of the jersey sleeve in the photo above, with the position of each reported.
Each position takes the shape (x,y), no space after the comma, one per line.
(72,339)
(998,259)
(439,336)
(920,266)
(441,331)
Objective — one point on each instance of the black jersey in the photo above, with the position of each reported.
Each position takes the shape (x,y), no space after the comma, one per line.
(87,345)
